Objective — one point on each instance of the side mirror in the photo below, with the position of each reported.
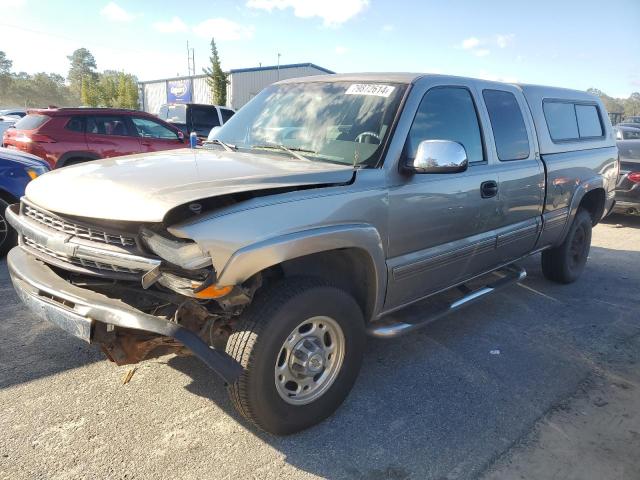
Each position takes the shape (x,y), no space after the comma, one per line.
(438,156)
(181,136)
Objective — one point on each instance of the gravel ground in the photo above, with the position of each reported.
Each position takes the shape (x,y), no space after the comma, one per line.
(559,396)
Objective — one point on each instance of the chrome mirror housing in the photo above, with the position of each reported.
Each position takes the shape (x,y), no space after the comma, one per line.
(438,156)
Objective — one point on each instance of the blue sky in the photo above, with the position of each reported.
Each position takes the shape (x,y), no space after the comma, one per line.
(575,44)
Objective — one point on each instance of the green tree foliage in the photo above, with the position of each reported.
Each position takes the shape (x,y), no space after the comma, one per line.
(632,104)
(5,73)
(107,89)
(89,93)
(216,78)
(626,106)
(83,66)
(117,89)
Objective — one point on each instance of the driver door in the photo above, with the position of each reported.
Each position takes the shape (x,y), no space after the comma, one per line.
(441,226)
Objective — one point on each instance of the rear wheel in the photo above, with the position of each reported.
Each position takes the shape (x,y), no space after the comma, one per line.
(301,344)
(8,236)
(76,161)
(565,263)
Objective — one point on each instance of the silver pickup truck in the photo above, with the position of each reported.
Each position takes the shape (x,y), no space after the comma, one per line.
(324,208)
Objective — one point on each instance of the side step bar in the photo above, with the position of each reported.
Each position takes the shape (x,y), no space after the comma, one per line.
(413,318)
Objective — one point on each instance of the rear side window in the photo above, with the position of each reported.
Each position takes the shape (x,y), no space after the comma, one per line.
(509,131)
(107,125)
(226,114)
(447,113)
(31,122)
(76,124)
(572,121)
(588,121)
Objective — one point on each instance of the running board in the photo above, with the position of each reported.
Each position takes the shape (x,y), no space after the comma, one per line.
(413,317)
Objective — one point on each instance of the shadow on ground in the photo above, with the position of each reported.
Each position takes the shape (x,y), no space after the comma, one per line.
(448,400)
(29,347)
(632,221)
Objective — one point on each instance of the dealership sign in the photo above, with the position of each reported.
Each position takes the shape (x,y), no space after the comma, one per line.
(179,91)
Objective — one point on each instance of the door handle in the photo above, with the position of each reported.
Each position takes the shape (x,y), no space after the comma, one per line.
(489,189)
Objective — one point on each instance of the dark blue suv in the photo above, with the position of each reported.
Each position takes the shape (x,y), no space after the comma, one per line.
(16,170)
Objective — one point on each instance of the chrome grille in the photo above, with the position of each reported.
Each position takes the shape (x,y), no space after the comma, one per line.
(70,228)
(101,266)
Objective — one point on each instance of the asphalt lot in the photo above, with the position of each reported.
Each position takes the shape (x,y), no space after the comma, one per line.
(436,405)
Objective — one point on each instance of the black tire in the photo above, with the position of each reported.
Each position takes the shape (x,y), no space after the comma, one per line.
(565,263)
(75,161)
(258,341)
(8,236)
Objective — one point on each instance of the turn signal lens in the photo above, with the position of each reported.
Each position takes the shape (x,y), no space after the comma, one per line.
(213,291)
(634,177)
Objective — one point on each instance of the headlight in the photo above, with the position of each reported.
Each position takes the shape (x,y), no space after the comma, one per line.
(34,172)
(185,254)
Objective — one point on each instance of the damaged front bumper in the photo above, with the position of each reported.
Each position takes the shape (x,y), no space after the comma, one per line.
(76,310)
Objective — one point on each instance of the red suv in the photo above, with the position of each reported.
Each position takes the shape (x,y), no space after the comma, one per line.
(65,136)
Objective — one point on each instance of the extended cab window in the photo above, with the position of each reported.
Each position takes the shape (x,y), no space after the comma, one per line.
(509,131)
(588,121)
(447,113)
(107,125)
(150,129)
(571,121)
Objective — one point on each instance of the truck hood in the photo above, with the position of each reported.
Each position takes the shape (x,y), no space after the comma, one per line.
(144,187)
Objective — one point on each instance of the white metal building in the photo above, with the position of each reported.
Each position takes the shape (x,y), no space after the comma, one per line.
(244,84)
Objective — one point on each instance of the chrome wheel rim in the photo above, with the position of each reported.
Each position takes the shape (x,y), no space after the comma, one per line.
(309,360)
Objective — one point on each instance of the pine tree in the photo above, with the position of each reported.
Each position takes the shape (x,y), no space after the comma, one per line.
(216,78)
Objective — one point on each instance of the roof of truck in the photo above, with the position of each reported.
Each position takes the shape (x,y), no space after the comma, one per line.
(410,77)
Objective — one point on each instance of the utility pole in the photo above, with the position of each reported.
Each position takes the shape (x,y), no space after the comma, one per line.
(188,60)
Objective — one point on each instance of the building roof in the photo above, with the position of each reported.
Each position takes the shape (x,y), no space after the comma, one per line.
(281,67)
(245,70)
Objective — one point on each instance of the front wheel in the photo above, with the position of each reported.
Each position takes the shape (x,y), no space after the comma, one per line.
(565,263)
(301,345)
(8,236)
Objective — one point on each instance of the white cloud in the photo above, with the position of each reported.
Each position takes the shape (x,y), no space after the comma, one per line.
(469,43)
(481,52)
(340,50)
(115,13)
(504,41)
(172,26)
(388,28)
(223,29)
(332,12)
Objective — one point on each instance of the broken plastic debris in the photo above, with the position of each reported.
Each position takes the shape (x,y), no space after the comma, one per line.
(494,352)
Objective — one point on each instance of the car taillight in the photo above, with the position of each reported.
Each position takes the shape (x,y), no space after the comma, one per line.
(33,137)
(634,177)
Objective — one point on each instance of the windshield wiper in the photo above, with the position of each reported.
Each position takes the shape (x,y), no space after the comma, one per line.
(290,150)
(227,146)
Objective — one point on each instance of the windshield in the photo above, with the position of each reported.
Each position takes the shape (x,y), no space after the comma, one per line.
(343,122)
(173,113)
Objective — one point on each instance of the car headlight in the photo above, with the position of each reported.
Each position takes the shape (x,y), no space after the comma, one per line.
(34,172)
(185,254)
